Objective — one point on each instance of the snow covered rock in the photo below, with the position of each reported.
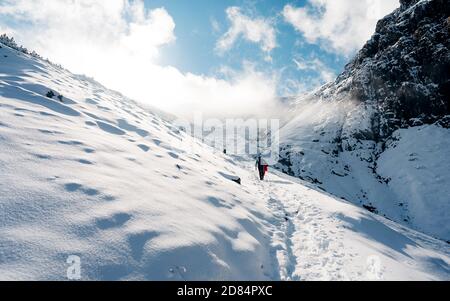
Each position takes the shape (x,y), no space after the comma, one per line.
(399,80)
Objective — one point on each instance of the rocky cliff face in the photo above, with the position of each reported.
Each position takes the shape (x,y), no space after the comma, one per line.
(404,69)
(399,82)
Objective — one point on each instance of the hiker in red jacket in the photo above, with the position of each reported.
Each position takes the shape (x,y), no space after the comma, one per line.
(262,167)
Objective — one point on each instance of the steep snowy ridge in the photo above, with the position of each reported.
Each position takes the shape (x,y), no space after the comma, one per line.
(97,176)
(378,136)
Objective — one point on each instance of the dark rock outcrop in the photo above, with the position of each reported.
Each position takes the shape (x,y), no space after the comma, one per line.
(405,67)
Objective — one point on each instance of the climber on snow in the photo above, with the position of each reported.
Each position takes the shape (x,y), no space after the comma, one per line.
(262,167)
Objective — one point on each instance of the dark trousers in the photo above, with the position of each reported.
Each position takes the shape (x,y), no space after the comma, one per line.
(261,172)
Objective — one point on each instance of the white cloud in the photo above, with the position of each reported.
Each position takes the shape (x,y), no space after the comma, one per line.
(147,33)
(118,42)
(256,30)
(325,74)
(342,26)
(314,73)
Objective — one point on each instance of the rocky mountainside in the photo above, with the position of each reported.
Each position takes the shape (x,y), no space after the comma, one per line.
(404,69)
(378,135)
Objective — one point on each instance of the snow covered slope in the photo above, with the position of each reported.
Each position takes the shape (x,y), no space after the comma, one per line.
(344,135)
(99,177)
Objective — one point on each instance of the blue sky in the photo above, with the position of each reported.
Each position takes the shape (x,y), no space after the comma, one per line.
(231,56)
(194,49)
